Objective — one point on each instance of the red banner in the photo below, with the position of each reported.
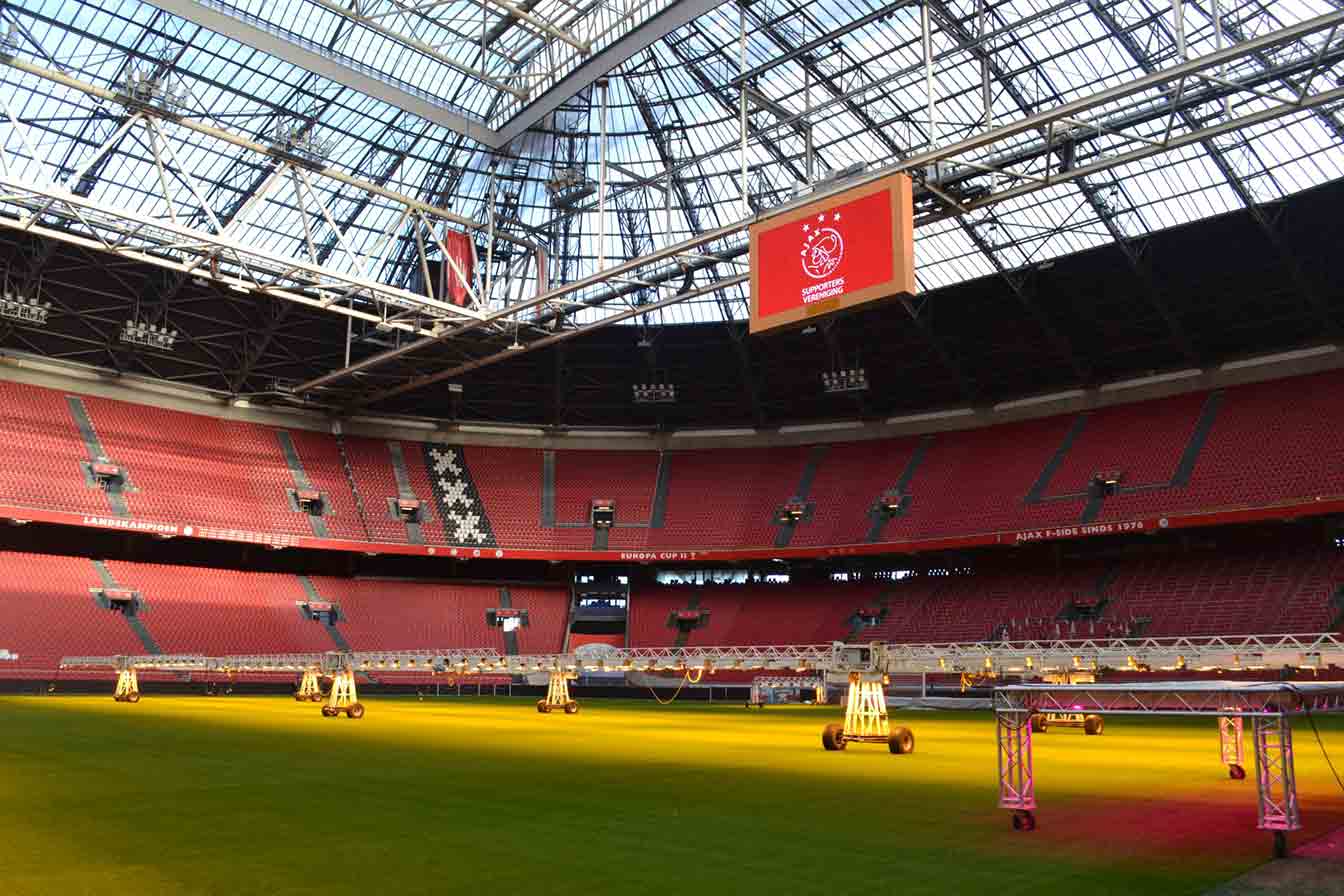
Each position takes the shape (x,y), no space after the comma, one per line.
(458,268)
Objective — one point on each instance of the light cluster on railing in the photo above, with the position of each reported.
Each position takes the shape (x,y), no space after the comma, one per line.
(9,40)
(162,91)
(568,185)
(25,309)
(149,335)
(848,379)
(655,393)
(297,138)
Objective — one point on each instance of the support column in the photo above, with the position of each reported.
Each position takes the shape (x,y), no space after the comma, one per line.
(557,694)
(128,687)
(343,697)
(602,179)
(1017,780)
(1231,749)
(1275,779)
(310,689)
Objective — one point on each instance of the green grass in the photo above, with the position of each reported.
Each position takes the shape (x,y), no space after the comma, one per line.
(261,795)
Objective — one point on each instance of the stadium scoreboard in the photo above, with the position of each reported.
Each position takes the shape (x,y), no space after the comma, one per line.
(848,249)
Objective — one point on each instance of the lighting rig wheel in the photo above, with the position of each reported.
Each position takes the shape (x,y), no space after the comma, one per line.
(1236,772)
(119,698)
(1039,724)
(571,708)
(317,698)
(133,697)
(542,707)
(1094,725)
(298,698)
(1024,820)
(833,737)
(329,712)
(354,711)
(901,741)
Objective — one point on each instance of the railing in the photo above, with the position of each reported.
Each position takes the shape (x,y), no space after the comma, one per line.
(1027,658)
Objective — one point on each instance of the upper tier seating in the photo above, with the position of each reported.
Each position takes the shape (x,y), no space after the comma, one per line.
(371,465)
(1267,444)
(205,471)
(41,452)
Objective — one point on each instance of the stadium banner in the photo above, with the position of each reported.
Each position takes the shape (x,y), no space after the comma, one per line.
(1229,516)
(854,247)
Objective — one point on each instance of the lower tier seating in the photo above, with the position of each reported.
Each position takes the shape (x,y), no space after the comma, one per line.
(49,608)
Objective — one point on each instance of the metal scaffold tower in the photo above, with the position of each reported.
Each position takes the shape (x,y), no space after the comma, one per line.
(310,688)
(1270,706)
(557,693)
(128,686)
(343,697)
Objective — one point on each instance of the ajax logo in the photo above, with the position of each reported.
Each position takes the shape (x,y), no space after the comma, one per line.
(823,247)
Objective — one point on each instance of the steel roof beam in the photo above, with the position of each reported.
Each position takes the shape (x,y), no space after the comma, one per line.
(439,376)
(541,25)
(1038,121)
(312,59)
(1177,333)
(206,130)
(603,62)
(1016,282)
(788,53)
(1234,180)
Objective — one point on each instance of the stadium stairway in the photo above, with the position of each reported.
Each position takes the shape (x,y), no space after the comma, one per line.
(136,624)
(858,629)
(1190,457)
(510,637)
(684,636)
(300,480)
(94,447)
(548,489)
(1337,609)
(878,517)
(1037,491)
(784,531)
(658,513)
(1185,466)
(360,509)
(332,632)
(404,490)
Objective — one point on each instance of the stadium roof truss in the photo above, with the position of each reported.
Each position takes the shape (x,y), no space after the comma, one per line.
(606,158)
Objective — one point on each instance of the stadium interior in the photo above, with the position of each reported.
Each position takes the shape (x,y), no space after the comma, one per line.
(448,361)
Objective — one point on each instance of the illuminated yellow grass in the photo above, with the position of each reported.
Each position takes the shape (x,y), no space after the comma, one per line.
(235,795)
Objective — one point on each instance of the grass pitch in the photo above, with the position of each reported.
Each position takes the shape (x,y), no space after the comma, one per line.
(261,795)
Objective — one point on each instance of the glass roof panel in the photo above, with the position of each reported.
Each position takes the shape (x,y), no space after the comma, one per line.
(843,76)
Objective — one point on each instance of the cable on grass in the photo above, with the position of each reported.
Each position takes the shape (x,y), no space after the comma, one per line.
(1320,743)
(661,702)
